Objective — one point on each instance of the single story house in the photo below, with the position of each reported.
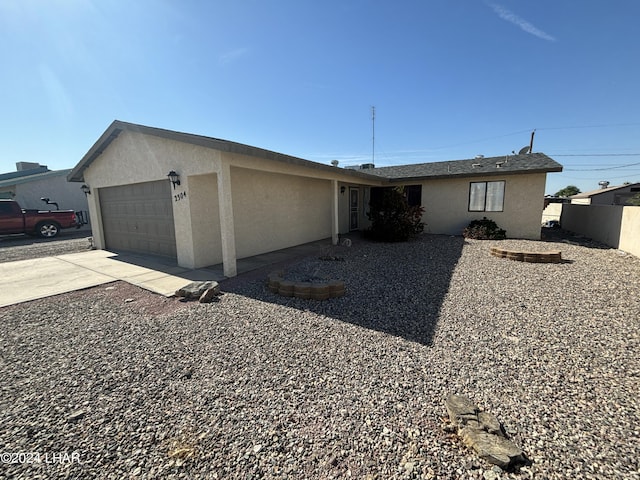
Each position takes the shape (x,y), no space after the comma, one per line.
(32,181)
(607,196)
(205,201)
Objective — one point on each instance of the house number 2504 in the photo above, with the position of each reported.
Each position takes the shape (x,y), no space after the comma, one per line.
(179,196)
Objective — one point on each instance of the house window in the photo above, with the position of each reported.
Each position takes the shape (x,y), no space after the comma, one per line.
(486,196)
(413,194)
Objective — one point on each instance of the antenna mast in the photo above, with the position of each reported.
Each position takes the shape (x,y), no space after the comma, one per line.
(531,144)
(373,137)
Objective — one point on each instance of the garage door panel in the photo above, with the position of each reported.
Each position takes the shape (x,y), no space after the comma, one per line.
(139,218)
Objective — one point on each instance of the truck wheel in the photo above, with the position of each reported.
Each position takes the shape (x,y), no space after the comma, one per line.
(48,229)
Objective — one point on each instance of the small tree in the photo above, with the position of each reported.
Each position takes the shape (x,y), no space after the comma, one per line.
(568,191)
(392,218)
(634,201)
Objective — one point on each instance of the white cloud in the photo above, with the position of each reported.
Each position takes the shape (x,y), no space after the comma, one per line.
(232,55)
(58,96)
(509,16)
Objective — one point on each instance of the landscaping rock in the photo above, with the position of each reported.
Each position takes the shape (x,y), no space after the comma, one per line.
(493,448)
(210,295)
(483,432)
(196,289)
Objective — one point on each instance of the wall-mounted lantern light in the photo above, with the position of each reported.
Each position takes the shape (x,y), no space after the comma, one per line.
(85,189)
(174,178)
(342,189)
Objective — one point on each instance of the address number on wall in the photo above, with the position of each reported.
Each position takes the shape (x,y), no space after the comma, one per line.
(179,196)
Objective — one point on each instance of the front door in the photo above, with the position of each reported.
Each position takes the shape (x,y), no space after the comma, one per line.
(353,208)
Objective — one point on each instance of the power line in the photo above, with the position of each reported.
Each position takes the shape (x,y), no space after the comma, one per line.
(596,155)
(634,124)
(601,169)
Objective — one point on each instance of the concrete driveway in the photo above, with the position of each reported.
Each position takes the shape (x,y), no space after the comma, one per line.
(26,280)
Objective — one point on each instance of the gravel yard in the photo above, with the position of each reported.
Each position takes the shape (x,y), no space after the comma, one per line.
(262,386)
(23,247)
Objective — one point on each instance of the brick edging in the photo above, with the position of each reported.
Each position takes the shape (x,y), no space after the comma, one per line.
(529,257)
(305,290)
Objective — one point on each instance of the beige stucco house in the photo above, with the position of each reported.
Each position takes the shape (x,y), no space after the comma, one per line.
(232,201)
(617,195)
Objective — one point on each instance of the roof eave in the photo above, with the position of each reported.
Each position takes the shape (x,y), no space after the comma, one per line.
(109,135)
(112,132)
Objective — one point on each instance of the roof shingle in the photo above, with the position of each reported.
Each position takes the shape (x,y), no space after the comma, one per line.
(505,165)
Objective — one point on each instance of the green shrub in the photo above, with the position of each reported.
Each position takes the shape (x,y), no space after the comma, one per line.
(392,218)
(484,229)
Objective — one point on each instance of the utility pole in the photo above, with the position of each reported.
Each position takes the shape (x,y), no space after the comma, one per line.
(373,137)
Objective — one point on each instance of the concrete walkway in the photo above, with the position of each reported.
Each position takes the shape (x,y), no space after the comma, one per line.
(27,280)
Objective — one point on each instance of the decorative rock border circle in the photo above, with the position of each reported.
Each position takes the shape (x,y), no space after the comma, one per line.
(305,290)
(529,257)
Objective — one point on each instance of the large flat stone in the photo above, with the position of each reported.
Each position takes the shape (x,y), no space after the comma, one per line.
(196,289)
(493,448)
(483,432)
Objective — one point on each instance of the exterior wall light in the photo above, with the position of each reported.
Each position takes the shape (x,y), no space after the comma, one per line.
(85,189)
(174,178)
(342,189)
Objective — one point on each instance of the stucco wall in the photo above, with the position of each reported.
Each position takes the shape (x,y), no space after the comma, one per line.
(273,211)
(68,195)
(446,203)
(135,158)
(630,230)
(205,220)
(613,225)
(600,222)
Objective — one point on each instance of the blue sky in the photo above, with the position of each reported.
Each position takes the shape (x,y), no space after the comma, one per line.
(449,79)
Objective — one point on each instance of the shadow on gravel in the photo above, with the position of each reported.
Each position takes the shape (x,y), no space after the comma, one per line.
(559,235)
(22,240)
(397,289)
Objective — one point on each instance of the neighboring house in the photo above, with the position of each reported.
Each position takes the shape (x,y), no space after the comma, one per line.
(32,181)
(231,201)
(607,196)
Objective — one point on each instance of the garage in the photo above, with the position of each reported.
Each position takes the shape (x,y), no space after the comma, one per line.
(139,218)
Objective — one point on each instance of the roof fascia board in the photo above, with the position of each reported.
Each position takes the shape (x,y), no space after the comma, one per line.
(109,135)
(117,126)
(228,146)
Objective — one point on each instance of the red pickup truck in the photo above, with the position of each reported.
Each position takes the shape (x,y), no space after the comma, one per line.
(47,224)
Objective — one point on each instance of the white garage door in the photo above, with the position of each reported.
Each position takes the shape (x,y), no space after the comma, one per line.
(139,218)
